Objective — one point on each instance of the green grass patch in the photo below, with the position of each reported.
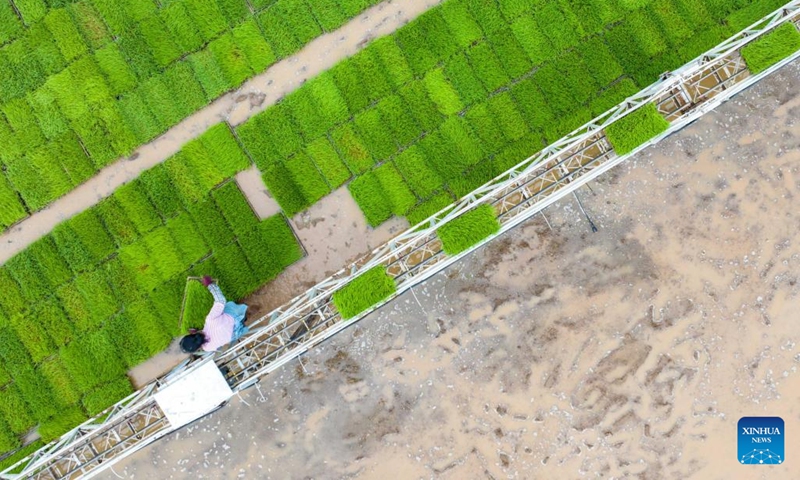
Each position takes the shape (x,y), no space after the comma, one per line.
(201,162)
(10,24)
(231,59)
(34,337)
(482,121)
(394,63)
(366,290)
(347,79)
(29,275)
(278,32)
(188,92)
(12,300)
(630,131)
(771,48)
(328,98)
(468,230)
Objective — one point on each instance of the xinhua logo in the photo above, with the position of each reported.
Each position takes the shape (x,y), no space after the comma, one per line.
(761,441)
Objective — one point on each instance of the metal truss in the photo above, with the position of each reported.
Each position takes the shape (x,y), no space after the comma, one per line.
(412,257)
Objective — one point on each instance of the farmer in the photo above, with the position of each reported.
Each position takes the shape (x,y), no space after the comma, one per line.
(224,323)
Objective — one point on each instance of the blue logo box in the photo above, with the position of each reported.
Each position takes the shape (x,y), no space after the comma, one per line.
(761,441)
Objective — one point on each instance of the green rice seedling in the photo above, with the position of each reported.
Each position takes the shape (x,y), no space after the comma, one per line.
(306,114)
(189,242)
(395,117)
(482,121)
(92,235)
(328,162)
(33,336)
(74,304)
(74,161)
(134,202)
(63,386)
(567,123)
(508,117)
(50,263)
(442,155)
(251,42)
(461,23)
(473,178)
(138,117)
(429,207)
(213,227)
(487,14)
(261,4)
(224,149)
(61,423)
(376,136)
(634,129)
(94,87)
(19,115)
(31,10)
(347,77)
(468,230)
(14,410)
(8,440)
(557,27)
(395,188)
(645,33)
(209,73)
(531,102)
(91,360)
(12,300)
(206,267)
(442,92)
(20,454)
(487,67)
(512,9)
(36,191)
(328,13)
(278,32)
(236,277)
(594,15)
(117,19)
(42,48)
(420,106)
(116,221)
(301,21)
(29,275)
(50,317)
(354,7)
(666,15)
(234,207)
(280,241)
(437,33)
(284,134)
(138,10)
(10,24)
(203,165)
(71,246)
(158,96)
(599,61)
(37,393)
(255,139)
(65,33)
(557,90)
(235,10)
(186,184)
(104,396)
(11,147)
(138,334)
(371,198)
(326,96)
(208,17)
(181,27)
(459,73)
(163,254)
(308,179)
(510,52)
(367,290)
(11,208)
(158,186)
(25,73)
(254,246)
(16,358)
(467,146)
(392,60)
(422,179)
(771,48)
(197,304)
(95,140)
(189,94)
(98,296)
(116,69)
(421,57)
(90,24)
(5,377)
(138,54)
(231,59)
(122,281)
(702,41)
(746,16)
(351,149)
(612,96)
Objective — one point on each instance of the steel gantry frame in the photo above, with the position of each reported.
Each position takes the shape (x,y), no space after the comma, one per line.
(524,190)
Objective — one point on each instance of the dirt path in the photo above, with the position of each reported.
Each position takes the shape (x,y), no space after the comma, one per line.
(252,97)
(628,353)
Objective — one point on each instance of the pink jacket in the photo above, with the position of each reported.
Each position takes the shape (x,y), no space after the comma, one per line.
(218,328)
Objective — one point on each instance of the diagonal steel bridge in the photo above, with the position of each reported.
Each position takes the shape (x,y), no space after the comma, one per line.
(518,194)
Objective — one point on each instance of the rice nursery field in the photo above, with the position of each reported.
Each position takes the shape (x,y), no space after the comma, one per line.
(103,291)
(469,89)
(84,83)
(411,123)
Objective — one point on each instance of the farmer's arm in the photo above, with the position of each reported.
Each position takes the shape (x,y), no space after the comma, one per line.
(219,300)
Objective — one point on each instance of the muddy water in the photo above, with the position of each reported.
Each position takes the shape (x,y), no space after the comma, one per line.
(252,97)
(256,192)
(627,353)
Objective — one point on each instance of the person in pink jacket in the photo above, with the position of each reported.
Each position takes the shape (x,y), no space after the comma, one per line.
(224,323)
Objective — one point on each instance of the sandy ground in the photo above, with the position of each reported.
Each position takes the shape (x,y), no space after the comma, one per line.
(627,353)
(235,107)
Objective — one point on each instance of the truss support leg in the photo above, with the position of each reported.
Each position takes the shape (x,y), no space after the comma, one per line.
(546,220)
(580,205)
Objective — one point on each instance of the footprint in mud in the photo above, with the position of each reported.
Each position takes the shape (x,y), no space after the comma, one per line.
(354,392)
